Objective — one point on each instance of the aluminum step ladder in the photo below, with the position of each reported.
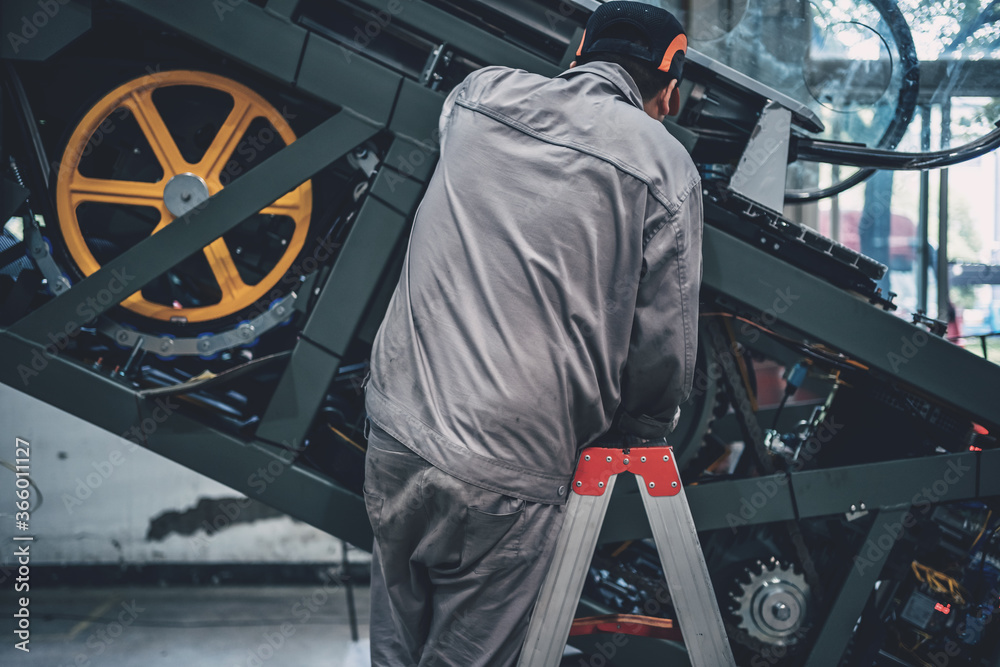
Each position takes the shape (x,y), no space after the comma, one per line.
(676,539)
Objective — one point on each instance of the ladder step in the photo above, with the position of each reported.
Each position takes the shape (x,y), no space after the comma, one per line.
(627,624)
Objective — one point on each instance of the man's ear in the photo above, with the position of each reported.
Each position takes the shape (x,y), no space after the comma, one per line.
(672,99)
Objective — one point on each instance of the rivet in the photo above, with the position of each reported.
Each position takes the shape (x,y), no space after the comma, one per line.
(642,459)
(587,457)
(673,484)
(666,458)
(854,508)
(600,484)
(609,459)
(652,485)
(862,505)
(625,462)
(579,484)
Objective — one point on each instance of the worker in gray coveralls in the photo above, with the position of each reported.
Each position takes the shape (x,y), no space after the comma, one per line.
(549,295)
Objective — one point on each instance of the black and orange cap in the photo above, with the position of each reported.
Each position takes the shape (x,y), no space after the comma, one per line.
(667,40)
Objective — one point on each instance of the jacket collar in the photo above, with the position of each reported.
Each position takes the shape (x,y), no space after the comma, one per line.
(614,74)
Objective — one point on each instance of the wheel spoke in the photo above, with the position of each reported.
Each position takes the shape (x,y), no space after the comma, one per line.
(166,217)
(226,139)
(140,103)
(135,193)
(224,269)
(289,204)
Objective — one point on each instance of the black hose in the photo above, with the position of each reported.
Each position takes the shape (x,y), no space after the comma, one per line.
(906,102)
(874,158)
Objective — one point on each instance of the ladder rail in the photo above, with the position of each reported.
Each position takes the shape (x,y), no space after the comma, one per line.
(691,589)
(560,593)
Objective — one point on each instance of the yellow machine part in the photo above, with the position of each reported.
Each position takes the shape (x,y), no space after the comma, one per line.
(136,96)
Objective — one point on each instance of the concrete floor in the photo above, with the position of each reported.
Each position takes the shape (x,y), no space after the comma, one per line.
(220,626)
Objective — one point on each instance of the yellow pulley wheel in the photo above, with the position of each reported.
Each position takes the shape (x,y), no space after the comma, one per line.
(183,186)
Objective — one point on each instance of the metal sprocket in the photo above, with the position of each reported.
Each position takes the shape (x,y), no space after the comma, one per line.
(771,603)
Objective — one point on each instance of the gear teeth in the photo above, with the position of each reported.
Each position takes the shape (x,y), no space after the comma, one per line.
(758,573)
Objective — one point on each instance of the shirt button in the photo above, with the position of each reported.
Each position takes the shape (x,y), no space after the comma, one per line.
(562,490)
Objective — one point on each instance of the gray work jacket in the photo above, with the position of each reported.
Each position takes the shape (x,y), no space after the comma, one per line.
(551,281)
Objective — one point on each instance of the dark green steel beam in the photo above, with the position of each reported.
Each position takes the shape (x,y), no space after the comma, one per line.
(332,73)
(886,485)
(413,158)
(989,473)
(283,8)
(417,113)
(863,331)
(854,593)
(151,257)
(159,426)
(340,310)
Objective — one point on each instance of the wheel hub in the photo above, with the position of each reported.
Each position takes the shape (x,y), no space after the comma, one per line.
(184,192)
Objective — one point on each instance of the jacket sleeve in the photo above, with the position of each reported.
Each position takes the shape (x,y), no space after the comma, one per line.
(659,370)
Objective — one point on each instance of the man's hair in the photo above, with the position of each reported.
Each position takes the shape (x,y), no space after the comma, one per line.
(649,80)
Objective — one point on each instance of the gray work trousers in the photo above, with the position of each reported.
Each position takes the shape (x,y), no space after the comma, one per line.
(456,569)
